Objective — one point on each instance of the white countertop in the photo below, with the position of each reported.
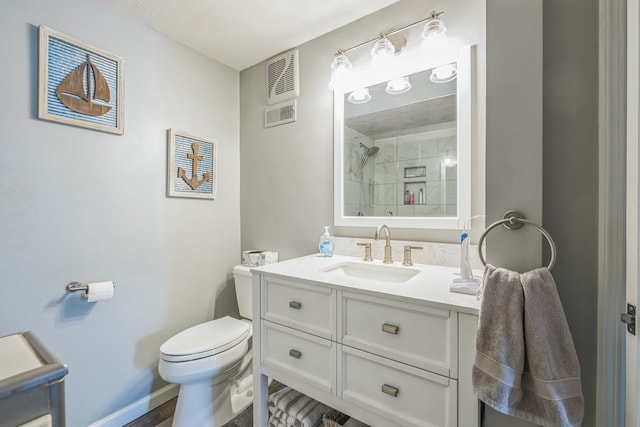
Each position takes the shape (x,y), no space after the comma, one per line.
(17,356)
(430,284)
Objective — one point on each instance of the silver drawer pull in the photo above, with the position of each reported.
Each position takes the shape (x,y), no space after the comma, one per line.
(390,390)
(295,304)
(390,329)
(295,353)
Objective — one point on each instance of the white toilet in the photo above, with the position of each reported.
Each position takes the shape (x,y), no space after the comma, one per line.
(212,363)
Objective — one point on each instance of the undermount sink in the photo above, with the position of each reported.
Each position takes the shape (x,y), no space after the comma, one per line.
(377,272)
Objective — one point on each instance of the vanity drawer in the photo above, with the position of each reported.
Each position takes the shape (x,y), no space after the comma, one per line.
(307,357)
(417,335)
(404,394)
(307,308)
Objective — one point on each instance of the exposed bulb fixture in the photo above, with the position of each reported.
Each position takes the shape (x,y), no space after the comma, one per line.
(434,29)
(444,73)
(340,68)
(385,47)
(359,96)
(382,51)
(398,85)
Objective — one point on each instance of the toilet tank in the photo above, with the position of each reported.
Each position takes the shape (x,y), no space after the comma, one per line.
(244,288)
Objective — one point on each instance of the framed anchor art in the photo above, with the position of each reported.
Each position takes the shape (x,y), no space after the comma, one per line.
(192,166)
(79,84)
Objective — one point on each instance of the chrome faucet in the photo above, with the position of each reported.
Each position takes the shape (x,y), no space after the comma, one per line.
(387,246)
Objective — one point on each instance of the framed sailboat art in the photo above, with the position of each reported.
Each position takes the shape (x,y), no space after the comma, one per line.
(79,84)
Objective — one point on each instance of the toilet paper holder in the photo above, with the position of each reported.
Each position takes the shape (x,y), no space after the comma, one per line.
(77,286)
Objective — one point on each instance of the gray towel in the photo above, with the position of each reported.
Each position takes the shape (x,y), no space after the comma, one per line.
(526,364)
(295,409)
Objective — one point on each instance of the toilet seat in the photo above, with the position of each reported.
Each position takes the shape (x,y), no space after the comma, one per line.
(205,340)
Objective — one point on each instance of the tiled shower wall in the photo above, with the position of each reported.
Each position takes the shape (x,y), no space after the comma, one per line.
(380,187)
(358,181)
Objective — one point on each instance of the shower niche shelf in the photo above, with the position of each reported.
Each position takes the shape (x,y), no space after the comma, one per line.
(414,187)
(415,172)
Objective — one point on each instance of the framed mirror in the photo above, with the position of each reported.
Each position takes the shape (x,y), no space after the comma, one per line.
(402,149)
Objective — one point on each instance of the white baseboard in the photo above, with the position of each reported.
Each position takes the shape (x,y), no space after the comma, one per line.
(139,407)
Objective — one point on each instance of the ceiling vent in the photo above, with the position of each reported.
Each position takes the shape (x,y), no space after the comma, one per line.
(282,77)
(280,114)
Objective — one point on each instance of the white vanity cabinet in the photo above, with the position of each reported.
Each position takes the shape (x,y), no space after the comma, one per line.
(398,359)
(385,359)
(298,331)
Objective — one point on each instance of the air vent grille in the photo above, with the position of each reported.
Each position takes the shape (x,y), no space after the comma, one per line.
(275,72)
(280,114)
(282,77)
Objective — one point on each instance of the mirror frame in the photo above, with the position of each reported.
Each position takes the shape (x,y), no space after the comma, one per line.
(465,78)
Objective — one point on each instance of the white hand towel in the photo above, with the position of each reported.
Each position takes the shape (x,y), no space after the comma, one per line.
(526,364)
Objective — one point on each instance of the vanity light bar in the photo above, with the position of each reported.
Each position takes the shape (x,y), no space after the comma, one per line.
(386,46)
(433,16)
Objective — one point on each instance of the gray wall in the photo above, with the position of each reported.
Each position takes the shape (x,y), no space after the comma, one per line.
(287,171)
(84,205)
(570,174)
(514,140)
(77,204)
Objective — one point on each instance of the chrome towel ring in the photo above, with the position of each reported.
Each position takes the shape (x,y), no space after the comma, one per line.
(514,220)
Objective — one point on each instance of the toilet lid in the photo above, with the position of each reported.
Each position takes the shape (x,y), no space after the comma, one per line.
(205,339)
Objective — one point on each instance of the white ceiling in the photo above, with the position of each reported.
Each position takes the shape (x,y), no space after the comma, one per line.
(242,33)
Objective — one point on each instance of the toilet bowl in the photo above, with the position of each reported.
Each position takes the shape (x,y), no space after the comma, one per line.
(212,364)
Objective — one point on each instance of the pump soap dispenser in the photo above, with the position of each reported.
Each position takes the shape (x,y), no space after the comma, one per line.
(326,243)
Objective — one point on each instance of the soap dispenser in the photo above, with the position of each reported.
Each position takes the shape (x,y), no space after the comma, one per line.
(326,243)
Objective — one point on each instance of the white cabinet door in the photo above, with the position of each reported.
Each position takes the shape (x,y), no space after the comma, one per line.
(420,336)
(409,396)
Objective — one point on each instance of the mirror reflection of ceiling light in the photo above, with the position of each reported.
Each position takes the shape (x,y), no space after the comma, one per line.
(398,86)
(444,73)
(448,161)
(385,47)
(359,96)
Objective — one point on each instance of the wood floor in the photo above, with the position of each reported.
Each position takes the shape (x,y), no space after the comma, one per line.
(157,417)
(162,415)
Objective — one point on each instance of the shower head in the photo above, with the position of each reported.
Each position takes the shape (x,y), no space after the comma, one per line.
(369,151)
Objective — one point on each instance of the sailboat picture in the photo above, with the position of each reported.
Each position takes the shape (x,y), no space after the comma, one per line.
(79,84)
(85,90)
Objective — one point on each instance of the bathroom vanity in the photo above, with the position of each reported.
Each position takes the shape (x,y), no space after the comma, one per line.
(385,343)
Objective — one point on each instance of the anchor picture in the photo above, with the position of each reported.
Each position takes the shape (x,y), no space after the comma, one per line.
(193,181)
(191,169)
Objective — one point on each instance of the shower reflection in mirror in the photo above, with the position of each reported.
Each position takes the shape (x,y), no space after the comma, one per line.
(400,149)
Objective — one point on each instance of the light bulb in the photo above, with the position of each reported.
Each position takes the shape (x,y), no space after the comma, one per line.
(434,29)
(444,73)
(359,96)
(340,70)
(398,85)
(382,52)
(448,161)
